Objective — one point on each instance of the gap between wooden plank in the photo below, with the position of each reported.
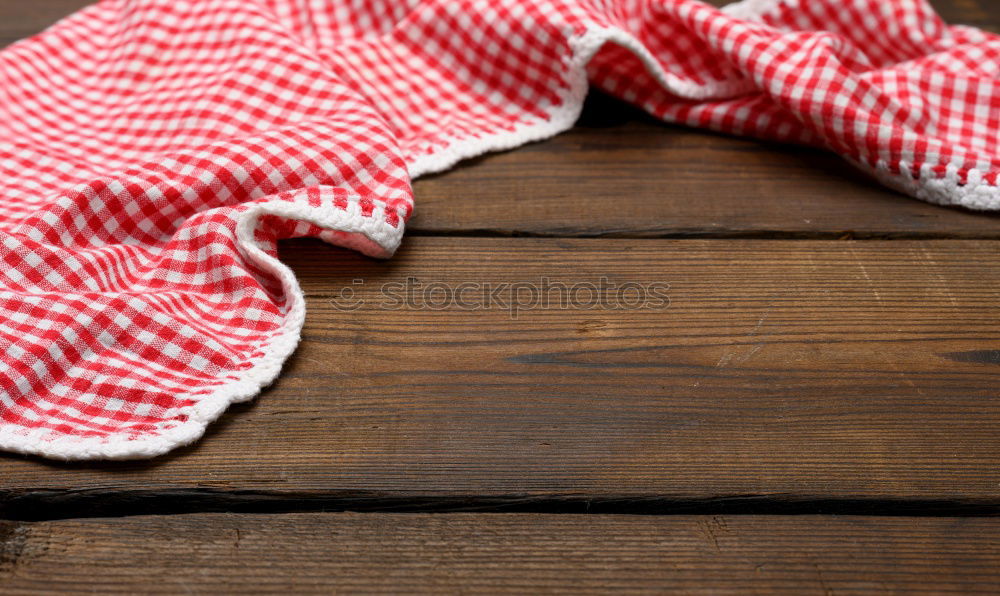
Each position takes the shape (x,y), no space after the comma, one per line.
(48,505)
(522,554)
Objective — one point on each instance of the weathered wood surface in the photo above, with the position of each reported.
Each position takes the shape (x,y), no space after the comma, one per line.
(21,19)
(502,553)
(784,370)
(784,376)
(620,173)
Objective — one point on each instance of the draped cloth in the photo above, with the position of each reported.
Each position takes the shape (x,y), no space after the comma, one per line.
(153,152)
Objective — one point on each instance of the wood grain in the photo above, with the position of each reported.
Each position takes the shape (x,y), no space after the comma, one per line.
(978,13)
(784,376)
(21,19)
(506,553)
(619,173)
(784,370)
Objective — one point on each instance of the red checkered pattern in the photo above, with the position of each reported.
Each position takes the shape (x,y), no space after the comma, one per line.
(152,152)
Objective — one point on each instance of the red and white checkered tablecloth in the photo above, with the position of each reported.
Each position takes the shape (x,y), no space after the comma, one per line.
(152,152)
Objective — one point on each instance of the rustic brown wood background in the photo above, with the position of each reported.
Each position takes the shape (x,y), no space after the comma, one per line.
(815,411)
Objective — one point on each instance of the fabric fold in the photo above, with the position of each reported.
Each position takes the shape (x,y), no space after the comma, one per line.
(153,153)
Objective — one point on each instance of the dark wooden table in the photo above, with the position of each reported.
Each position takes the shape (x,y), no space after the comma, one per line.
(816,411)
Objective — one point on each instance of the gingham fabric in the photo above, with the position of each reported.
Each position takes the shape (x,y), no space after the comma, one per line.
(153,152)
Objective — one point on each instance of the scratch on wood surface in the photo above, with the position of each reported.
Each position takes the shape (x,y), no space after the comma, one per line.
(732,358)
(864,272)
(12,541)
(827,591)
(935,271)
(711,527)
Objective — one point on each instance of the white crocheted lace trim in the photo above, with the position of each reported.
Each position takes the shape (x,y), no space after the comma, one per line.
(373,236)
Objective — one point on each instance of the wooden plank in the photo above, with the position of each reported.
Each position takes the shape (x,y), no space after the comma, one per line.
(782,370)
(20,19)
(984,14)
(501,553)
(621,173)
